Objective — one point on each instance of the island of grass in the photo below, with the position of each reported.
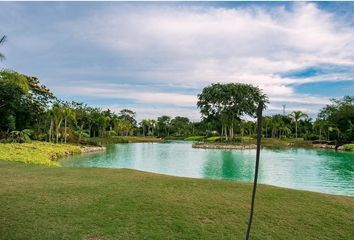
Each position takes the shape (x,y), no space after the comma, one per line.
(247,142)
(41,202)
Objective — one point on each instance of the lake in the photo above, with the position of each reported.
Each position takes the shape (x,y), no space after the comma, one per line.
(306,169)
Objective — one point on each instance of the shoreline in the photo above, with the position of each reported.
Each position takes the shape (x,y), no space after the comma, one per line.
(90,149)
(225,146)
(231,146)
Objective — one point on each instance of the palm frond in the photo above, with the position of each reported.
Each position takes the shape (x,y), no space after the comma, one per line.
(3,39)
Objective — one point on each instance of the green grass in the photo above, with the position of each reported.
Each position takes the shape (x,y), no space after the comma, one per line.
(36,152)
(213,139)
(40,202)
(266,142)
(348,147)
(286,142)
(194,138)
(123,139)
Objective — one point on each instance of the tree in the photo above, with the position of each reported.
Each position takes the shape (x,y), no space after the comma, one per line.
(180,126)
(229,102)
(296,116)
(266,122)
(68,113)
(340,114)
(2,40)
(164,125)
(128,115)
(57,119)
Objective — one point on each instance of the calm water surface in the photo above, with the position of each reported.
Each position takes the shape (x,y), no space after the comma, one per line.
(306,169)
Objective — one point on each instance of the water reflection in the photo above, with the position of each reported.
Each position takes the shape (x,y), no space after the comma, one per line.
(307,169)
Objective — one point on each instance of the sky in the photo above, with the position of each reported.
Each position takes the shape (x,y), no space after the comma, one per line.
(154,58)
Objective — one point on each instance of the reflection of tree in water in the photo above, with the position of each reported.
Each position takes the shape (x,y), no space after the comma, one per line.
(227,165)
(339,163)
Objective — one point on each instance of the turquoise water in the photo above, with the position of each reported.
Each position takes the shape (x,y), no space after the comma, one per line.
(305,169)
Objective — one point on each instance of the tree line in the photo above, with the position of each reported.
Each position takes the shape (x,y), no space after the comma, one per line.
(29,109)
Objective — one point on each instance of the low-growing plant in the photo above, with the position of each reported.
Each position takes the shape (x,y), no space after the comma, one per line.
(348,147)
(20,136)
(194,138)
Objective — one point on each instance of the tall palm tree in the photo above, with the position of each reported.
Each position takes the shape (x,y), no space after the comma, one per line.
(295,117)
(2,40)
(67,113)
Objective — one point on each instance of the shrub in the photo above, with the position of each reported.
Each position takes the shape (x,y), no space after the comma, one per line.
(194,138)
(348,147)
(311,137)
(20,136)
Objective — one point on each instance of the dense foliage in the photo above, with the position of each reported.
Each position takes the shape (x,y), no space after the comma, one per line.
(227,103)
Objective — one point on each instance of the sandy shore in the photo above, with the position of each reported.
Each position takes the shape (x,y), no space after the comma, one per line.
(224,146)
(93,149)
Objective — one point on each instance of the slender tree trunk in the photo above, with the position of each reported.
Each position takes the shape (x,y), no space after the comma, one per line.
(57,131)
(225,131)
(50,130)
(57,134)
(295,129)
(65,125)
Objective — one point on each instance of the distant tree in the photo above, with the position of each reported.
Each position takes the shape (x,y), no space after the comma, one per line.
(229,102)
(181,126)
(340,114)
(128,115)
(164,125)
(68,114)
(295,117)
(266,123)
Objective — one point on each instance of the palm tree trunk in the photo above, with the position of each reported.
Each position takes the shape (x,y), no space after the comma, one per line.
(50,131)
(295,129)
(65,125)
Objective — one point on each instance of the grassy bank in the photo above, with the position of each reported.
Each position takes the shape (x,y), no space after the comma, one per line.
(36,152)
(66,203)
(348,147)
(266,142)
(122,139)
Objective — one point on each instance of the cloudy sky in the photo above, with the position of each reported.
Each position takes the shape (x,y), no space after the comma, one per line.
(155,58)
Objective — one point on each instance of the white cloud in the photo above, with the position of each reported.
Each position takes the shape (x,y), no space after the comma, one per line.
(139,95)
(203,45)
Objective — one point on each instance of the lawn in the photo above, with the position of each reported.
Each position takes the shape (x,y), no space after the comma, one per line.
(41,202)
(36,152)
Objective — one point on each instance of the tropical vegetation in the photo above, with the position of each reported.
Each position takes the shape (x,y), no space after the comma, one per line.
(30,111)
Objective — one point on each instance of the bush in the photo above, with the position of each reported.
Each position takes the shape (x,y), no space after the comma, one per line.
(312,137)
(215,139)
(237,140)
(348,147)
(194,138)
(20,136)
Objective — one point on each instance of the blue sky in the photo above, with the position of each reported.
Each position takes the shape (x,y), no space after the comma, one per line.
(155,58)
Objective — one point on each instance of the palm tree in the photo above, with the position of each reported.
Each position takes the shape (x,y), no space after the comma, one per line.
(295,117)
(2,40)
(68,113)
